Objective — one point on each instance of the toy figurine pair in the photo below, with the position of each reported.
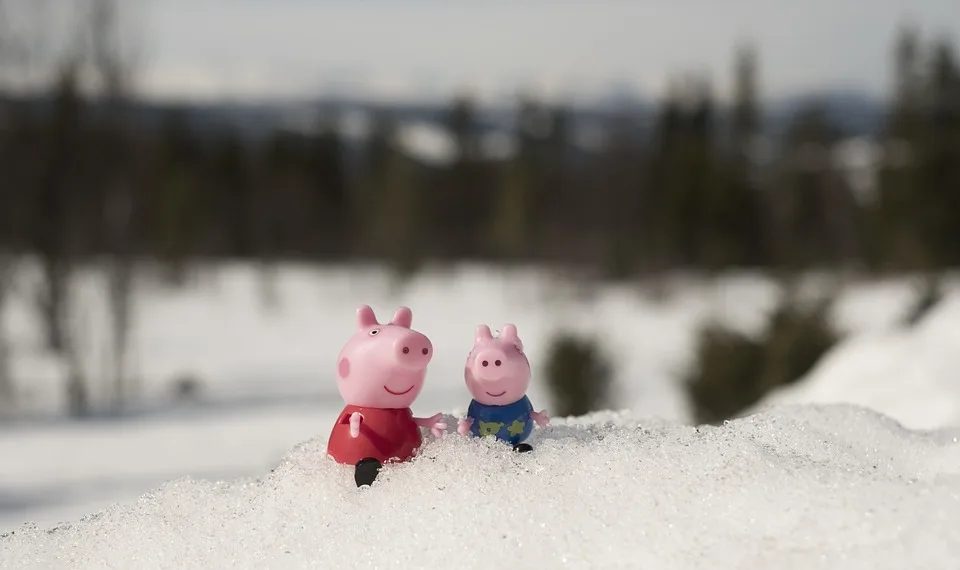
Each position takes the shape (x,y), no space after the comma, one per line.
(380,372)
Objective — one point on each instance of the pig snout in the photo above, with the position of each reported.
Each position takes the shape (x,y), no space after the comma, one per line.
(414,351)
(489,364)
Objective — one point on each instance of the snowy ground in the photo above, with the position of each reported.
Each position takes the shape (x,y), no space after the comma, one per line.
(267,383)
(796,488)
(910,374)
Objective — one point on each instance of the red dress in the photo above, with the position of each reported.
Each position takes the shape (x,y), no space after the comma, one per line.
(385,434)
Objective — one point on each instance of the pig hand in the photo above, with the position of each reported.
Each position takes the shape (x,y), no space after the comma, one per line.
(355,419)
(541,418)
(433,422)
(437,429)
(463,428)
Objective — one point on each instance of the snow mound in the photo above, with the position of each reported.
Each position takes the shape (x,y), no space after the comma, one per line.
(799,487)
(909,374)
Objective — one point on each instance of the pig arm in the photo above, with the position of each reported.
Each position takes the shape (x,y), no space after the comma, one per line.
(355,419)
(464,426)
(434,423)
(541,418)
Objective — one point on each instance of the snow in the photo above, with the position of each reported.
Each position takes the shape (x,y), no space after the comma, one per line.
(266,386)
(63,471)
(909,374)
(219,330)
(428,142)
(801,487)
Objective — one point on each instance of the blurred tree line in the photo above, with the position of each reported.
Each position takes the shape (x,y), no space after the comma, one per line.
(704,190)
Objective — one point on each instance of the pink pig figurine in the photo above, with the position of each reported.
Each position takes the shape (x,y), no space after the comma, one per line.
(498,374)
(380,372)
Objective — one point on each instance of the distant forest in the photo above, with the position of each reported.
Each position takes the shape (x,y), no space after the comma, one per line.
(696,186)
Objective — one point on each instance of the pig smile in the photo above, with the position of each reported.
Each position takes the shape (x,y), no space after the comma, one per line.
(496,395)
(399,393)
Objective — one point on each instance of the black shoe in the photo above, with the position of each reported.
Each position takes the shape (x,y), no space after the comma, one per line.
(522,447)
(366,471)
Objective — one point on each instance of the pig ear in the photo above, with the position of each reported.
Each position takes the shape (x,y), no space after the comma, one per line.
(509,334)
(402,318)
(365,317)
(483,333)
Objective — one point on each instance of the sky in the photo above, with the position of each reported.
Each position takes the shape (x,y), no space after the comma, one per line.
(208,49)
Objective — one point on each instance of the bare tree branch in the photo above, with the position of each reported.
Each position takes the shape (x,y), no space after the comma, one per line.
(112,67)
(8,395)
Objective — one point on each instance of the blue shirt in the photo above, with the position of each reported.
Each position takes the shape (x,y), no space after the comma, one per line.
(511,423)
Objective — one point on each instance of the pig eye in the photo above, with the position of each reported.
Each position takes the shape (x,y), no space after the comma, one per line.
(374,332)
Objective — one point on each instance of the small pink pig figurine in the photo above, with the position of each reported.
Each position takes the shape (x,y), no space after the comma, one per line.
(498,374)
(380,372)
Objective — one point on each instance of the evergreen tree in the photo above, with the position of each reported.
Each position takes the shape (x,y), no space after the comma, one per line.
(330,191)
(690,189)
(617,195)
(52,224)
(746,121)
(516,222)
(461,204)
(661,244)
(176,222)
(940,177)
(741,215)
(232,178)
(894,234)
(817,209)
(391,215)
(462,125)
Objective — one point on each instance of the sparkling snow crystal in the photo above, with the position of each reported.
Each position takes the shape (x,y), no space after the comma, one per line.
(830,487)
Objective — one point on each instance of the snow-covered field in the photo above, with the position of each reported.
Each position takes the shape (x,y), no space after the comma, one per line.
(806,481)
(795,488)
(912,374)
